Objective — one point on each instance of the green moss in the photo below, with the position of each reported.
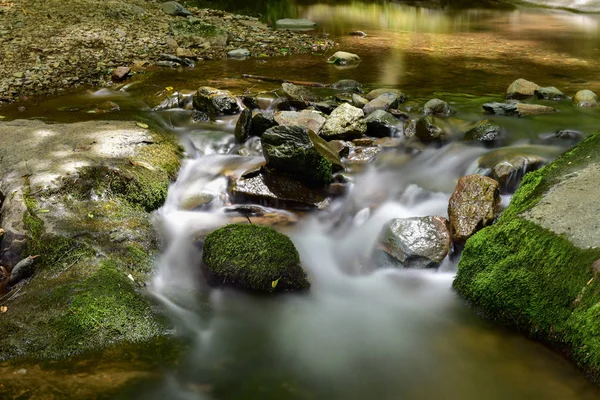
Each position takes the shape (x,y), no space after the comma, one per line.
(253,257)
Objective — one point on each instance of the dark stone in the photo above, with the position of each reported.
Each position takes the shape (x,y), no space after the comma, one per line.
(485,132)
(260,123)
(215,101)
(437,107)
(381,124)
(401,97)
(501,108)
(550,93)
(200,116)
(243,126)
(427,131)
(326,107)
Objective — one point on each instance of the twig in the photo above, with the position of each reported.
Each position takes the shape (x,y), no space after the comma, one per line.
(278,80)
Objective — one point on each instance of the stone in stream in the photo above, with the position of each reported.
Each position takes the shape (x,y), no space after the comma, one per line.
(417,242)
(344,58)
(485,132)
(120,73)
(326,107)
(550,93)
(254,258)
(363,155)
(517,109)
(536,268)
(382,102)
(473,205)
(359,101)
(378,92)
(357,33)
(174,8)
(286,104)
(243,126)
(585,98)
(349,85)
(215,102)
(199,116)
(310,119)
(340,147)
(345,122)
(430,129)
(381,124)
(299,93)
(238,53)
(437,107)
(260,123)
(290,23)
(293,150)
(521,89)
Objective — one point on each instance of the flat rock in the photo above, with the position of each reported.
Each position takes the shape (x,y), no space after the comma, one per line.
(310,119)
(344,58)
(290,23)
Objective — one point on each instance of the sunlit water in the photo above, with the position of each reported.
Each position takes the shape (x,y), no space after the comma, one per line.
(359,333)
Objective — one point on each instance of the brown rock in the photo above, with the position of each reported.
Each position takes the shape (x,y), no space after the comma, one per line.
(473,205)
(120,73)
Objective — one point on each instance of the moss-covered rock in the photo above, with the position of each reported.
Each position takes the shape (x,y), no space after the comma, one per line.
(536,268)
(215,101)
(254,258)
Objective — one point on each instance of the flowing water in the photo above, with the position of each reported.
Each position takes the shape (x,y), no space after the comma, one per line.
(359,333)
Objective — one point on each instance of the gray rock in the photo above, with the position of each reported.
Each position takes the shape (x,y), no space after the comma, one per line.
(290,23)
(418,242)
(485,132)
(174,8)
(381,124)
(238,53)
(215,101)
(383,102)
(437,107)
(363,155)
(344,58)
(260,123)
(500,108)
(517,109)
(243,126)
(550,93)
(348,85)
(310,119)
(345,122)
(521,89)
(23,270)
(299,93)
(359,101)
(378,92)
(585,98)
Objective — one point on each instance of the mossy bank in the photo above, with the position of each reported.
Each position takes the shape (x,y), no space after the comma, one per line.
(79,196)
(536,268)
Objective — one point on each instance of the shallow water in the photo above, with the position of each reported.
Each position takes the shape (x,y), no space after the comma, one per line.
(359,333)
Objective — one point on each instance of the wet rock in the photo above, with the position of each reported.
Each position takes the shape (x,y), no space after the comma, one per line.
(291,149)
(174,8)
(500,108)
(364,142)
(348,85)
(177,60)
(358,33)
(254,258)
(585,98)
(473,205)
(383,102)
(310,119)
(290,23)
(364,155)
(485,132)
(521,89)
(518,109)
(196,201)
(569,134)
(280,190)
(326,107)
(260,123)
(345,122)
(418,242)
(340,147)
(359,101)
(243,126)
(533,109)
(23,270)
(196,32)
(199,116)
(381,124)
(410,128)
(215,101)
(120,74)
(428,130)
(344,58)
(437,107)
(401,97)
(167,64)
(250,102)
(238,53)
(285,104)
(299,93)
(550,93)
(107,106)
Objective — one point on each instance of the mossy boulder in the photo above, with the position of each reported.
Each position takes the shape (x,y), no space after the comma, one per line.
(536,268)
(254,258)
(215,102)
(437,107)
(485,132)
(585,98)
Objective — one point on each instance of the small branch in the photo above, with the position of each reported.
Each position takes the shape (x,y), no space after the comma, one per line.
(278,80)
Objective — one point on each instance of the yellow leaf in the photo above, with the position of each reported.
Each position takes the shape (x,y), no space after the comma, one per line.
(274,283)
(169,88)
(142,125)
(3,309)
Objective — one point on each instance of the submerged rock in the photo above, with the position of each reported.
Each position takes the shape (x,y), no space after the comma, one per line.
(364,155)
(215,101)
(550,93)
(243,126)
(437,107)
(521,89)
(417,242)
(291,149)
(345,122)
(238,53)
(383,102)
(485,132)
(349,85)
(473,205)
(585,98)
(427,130)
(254,258)
(525,109)
(290,23)
(344,58)
(299,93)
(401,97)
(309,119)
(381,124)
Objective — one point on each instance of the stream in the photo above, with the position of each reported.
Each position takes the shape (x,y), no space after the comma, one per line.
(359,333)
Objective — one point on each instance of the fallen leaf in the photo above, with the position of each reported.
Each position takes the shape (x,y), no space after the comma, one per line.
(142,125)
(131,277)
(169,88)
(274,283)
(3,309)
(43,211)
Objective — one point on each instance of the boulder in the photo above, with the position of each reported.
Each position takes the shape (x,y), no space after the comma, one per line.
(437,107)
(175,9)
(381,124)
(485,132)
(290,23)
(260,123)
(348,85)
(585,98)
(345,122)
(309,119)
(290,149)
(417,242)
(214,101)
(254,258)
(473,205)
(243,126)
(344,58)
(536,269)
(383,102)
(238,53)
(120,73)
(196,32)
(521,89)
(550,93)
(401,97)
(279,190)
(299,93)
